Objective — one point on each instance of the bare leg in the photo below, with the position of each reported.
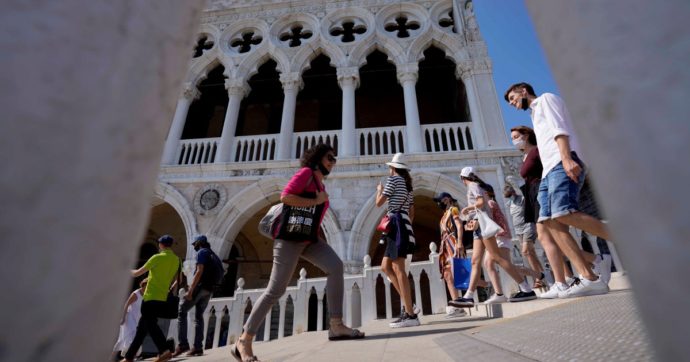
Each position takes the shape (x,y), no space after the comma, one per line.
(244,345)
(570,248)
(448,276)
(493,250)
(553,252)
(530,254)
(490,267)
(587,223)
(403,283)
(477,256)
(387,268)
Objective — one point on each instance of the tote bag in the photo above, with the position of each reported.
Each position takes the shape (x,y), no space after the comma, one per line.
(462,268)
(488,227)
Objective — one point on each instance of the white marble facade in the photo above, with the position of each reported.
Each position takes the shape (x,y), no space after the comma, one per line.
(218,198)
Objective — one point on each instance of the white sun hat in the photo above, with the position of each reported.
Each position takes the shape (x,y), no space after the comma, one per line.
(466,171)
(398,161)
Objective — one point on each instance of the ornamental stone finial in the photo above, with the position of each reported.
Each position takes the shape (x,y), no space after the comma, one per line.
(408,72)
(291,81)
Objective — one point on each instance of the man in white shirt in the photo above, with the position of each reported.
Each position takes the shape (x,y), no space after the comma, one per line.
(562,179)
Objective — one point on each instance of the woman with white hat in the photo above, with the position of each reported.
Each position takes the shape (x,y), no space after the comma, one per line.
(398,237)
(477,201)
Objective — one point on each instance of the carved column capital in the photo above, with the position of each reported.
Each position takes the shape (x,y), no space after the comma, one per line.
(190,92)
(348,75)
(237,87)
(291,81)
(408,72)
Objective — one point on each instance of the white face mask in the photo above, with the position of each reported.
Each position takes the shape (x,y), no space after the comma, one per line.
(519,142)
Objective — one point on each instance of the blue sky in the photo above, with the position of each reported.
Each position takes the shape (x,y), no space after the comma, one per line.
(515,51)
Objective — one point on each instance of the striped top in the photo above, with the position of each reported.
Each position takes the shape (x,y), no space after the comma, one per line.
(398,196)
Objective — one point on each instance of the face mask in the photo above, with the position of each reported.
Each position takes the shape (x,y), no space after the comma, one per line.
(519,143)
(441,205)
(524,105)
(323,169)
(197,247)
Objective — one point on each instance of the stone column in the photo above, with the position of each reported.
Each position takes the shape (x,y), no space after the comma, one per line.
(189,94)
(483,102)
(624,77)
(348,79)
(92,120)
(292,84)
(267,326)
(237,89)
(407,76)
(319,312)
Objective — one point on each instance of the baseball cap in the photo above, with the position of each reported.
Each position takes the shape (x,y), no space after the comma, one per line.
(466,171)
(166,240)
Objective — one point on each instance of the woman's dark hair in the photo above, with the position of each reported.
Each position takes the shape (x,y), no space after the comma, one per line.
(406,175)
(524,130)
(474,178)
(312,156)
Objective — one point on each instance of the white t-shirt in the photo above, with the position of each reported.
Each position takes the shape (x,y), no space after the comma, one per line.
(551,119)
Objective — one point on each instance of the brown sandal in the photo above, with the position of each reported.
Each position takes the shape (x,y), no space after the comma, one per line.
(354,334)
(238,356)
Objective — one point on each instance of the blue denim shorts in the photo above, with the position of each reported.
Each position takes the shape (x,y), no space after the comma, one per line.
(558,194)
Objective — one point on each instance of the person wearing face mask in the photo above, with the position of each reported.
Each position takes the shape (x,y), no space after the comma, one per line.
(207,275)
(451,246)
(561,180)
(306,193)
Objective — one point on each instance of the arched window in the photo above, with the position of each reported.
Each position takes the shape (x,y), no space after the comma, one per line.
(441,97)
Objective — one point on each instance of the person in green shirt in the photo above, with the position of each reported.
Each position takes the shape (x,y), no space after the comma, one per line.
(162,269)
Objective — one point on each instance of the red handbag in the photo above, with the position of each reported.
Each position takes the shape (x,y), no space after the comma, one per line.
(383,224)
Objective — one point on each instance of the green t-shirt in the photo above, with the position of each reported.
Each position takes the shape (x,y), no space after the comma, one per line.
(162,269)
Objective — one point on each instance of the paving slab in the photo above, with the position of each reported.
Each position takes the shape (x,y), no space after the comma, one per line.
(599,328)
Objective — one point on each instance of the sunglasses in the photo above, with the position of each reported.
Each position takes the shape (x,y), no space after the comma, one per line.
(331,158)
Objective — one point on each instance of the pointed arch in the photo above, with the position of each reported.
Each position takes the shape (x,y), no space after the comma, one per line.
(250,65)
(435,38)
(199,70)
(302,60)
(395,52)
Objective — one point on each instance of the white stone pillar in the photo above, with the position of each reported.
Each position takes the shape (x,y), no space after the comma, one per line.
(488,128)
(348,79)
(623,75)
(407,76)
(237,89)
(267,326)
(92,120)
(189,94)
(319,312)
(418,291)
(389,308)
(282,302)
(292,84)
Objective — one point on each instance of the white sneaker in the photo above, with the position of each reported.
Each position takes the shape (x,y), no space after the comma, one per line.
(554,292)
(603,268)
(586,287)
(406,321)
(452,312)
(415,309)
(496,299)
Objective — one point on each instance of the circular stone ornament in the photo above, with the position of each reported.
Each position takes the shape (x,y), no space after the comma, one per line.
(210,199)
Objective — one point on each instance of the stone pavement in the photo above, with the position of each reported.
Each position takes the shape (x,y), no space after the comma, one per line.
(599,328)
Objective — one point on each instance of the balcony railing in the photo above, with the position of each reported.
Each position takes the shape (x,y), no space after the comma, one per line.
(197,151)
(445,137)
(381,140)
(255,148)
